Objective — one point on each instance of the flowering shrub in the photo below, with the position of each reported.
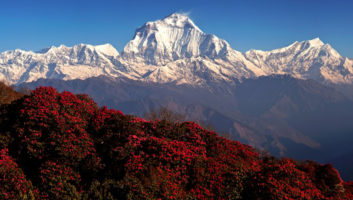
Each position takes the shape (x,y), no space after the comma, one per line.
(282,180)
(63,146)
(56,121)
(59,181)
(348,186)
(13,184)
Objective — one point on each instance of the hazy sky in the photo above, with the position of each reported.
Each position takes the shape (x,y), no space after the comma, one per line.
(245,24)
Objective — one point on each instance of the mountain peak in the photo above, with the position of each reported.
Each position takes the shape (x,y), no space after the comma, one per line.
(172,38)
(179,20)
(107,49)
(51,49)
(316,42)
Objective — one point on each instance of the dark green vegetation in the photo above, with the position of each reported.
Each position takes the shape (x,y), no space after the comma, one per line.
(63,146)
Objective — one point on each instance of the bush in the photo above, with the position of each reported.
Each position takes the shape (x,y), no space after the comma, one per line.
(14,184)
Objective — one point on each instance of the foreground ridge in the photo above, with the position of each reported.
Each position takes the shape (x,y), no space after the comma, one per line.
(60,145)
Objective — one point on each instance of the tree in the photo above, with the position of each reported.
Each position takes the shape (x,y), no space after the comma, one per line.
(8,94)
(164,113)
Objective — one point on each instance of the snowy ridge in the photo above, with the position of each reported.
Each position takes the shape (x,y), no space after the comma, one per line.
(175,37)
(175,50)
(311,59)
(78,62)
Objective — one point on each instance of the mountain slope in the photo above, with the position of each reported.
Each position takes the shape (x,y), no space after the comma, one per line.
(298,110)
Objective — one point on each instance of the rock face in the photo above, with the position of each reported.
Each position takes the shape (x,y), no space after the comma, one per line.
(175,50)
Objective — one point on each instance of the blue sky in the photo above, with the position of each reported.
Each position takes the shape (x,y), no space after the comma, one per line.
(245,24)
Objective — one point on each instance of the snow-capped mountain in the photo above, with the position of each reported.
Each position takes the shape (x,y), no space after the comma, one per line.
(173,38)
(175,50)
(78,62)
(310,59)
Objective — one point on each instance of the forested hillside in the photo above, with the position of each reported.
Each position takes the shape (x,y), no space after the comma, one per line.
(63,146)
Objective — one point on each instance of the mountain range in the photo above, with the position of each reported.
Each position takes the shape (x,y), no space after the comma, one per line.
(293,101)
(175,50)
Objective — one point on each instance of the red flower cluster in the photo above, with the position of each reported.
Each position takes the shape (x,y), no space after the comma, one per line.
(283,180)
(57,121)
(62,146)
(13,183)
